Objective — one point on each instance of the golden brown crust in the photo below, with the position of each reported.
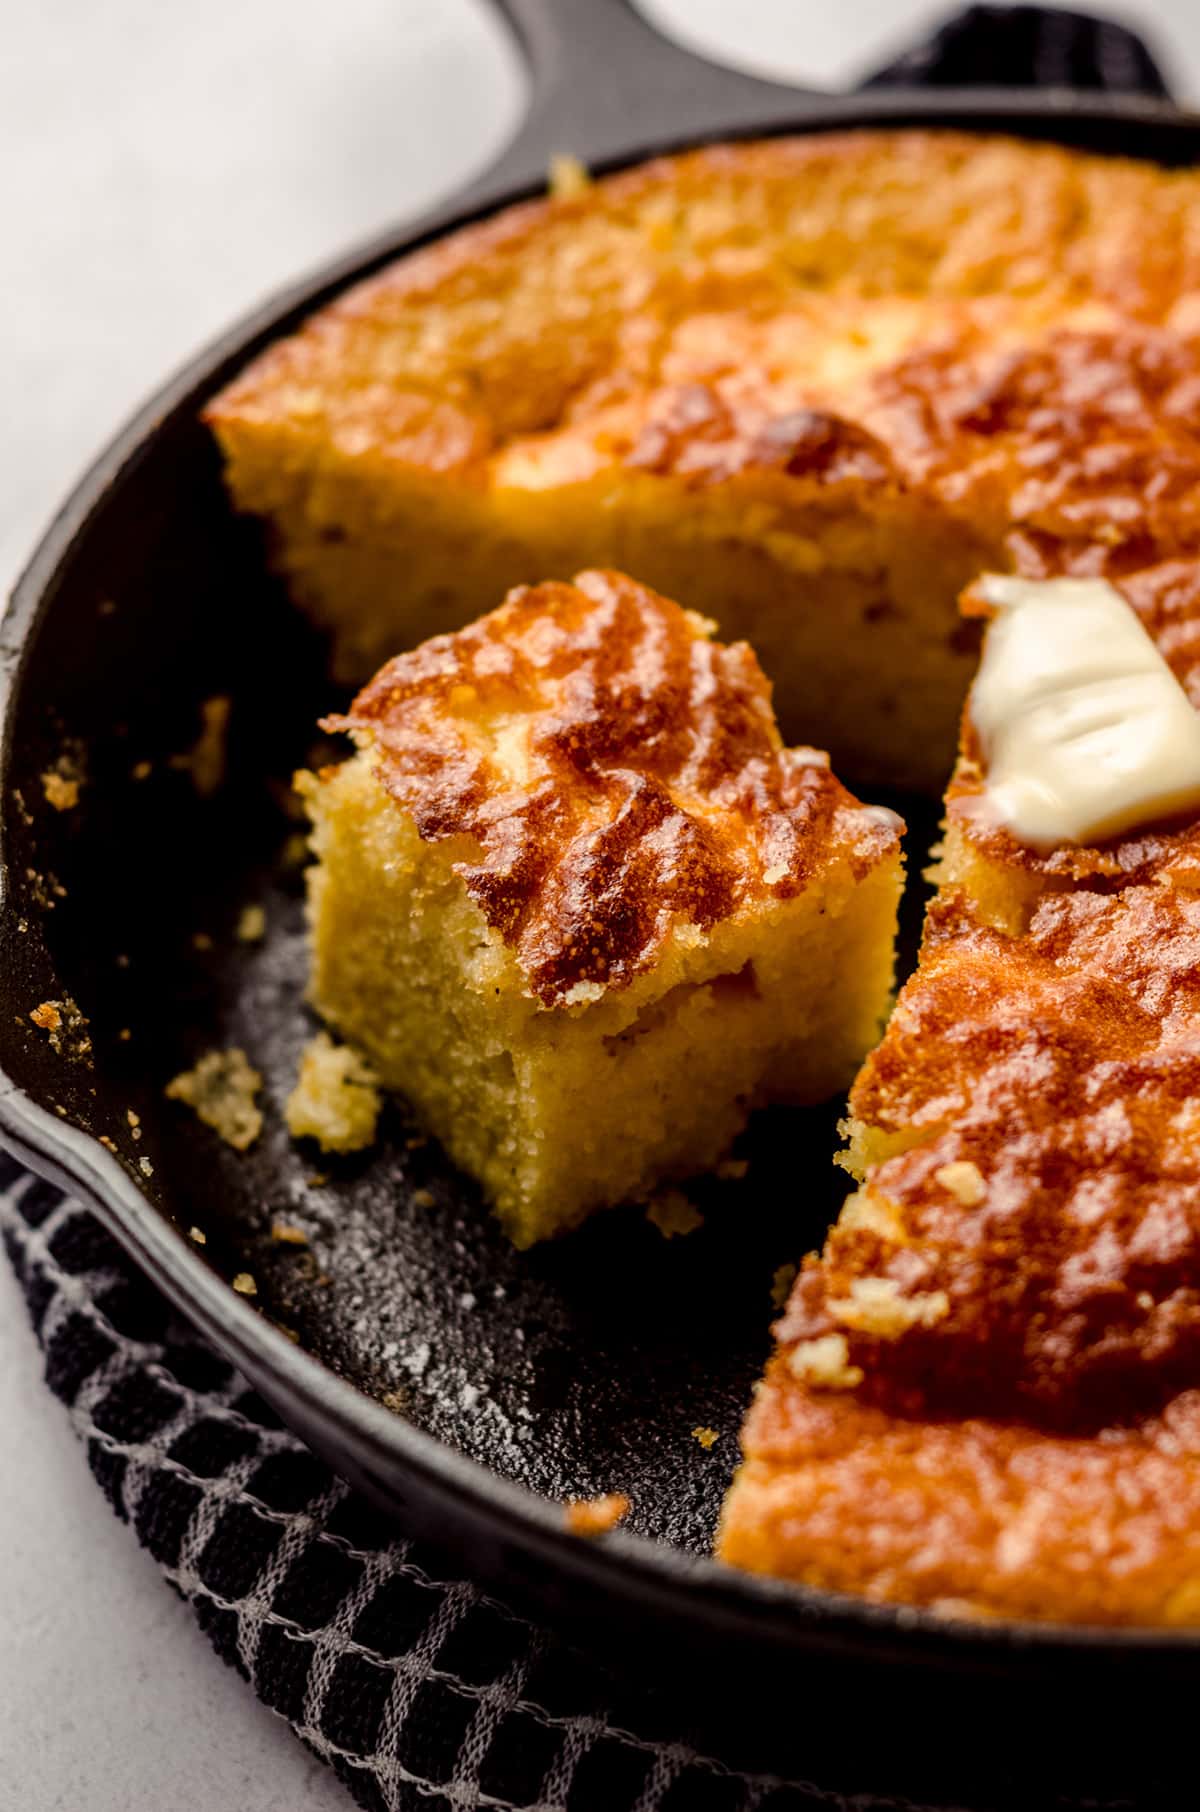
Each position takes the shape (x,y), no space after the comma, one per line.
(1057,1072)
(497,331)
(979,1517)
(616,771)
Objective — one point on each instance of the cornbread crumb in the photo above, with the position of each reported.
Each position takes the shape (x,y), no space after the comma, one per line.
(294,853)
(867,1212)
(673,1214)
(964,1181)
(422,1198)
(732,1170)
(61,791)
(875,1306)
(824,1363)
(287,1235)
(221,1090)
(198,1236)
(590,1516)
(251,925)
(205,760)
(396,1401)
(244,1284)
(288,1333)
(141,770)
(65,1025)
(201,941)
(107,1143)
(705,1436)
(336,1100)
(782,1280)
(568,176)
(146,1167)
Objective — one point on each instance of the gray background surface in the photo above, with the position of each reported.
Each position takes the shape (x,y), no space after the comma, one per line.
(161,167)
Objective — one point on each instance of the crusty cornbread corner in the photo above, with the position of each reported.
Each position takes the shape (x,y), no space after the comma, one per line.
(575,900)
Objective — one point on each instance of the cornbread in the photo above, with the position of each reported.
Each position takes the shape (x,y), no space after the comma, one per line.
(814,389)
(1024,1437)
(808,387)
(575,899)
(335,1100)
(984,1395)
(221,1090)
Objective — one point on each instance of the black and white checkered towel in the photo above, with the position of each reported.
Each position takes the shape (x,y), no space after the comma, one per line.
(423,1694)
(420,1692)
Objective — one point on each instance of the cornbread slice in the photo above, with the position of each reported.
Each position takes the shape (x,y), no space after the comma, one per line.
(984,1393)
(575,899)
(811,387)
(983,1397)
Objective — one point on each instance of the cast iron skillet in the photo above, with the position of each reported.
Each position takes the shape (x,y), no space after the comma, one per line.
(512,1382)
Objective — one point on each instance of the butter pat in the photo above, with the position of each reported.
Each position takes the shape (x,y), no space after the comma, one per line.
(1085,731)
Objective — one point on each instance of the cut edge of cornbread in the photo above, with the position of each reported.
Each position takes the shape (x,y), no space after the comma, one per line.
(562,1109)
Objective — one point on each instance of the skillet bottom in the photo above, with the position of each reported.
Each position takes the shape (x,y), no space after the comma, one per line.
(578,1368)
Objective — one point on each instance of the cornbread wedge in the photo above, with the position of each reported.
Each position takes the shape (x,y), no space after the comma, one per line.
(984,1395)
(575,899)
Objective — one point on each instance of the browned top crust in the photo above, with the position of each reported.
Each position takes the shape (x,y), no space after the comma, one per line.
(1061,1284)
(974,1516)
(616,772)
(983,1397)
(611,327)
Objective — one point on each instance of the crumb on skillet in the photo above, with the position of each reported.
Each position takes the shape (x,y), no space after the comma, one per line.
(589,1516)
(284,1234)
(65,1025)
(205,760)
(244,1284)
(336,1100)
(705,1436)
(673,1214)
(62,792)
(251,925)
(221,1088)
(568,177)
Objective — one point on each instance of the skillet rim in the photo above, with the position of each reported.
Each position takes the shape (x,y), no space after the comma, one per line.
(682,1589)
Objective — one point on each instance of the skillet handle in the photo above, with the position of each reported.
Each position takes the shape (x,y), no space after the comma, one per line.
(605,83)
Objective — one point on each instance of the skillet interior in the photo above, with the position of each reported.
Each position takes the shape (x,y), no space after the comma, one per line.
(581,1367)
(601,1355)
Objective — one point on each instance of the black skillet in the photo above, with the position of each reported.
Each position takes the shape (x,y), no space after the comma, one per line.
(511,1381)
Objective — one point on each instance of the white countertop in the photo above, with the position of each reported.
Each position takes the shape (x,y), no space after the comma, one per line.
(163,167)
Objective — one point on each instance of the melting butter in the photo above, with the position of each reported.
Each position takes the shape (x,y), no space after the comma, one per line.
(1085,731)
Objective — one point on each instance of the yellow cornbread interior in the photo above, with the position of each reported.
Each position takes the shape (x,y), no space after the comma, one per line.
(834,598)
(561,1110)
